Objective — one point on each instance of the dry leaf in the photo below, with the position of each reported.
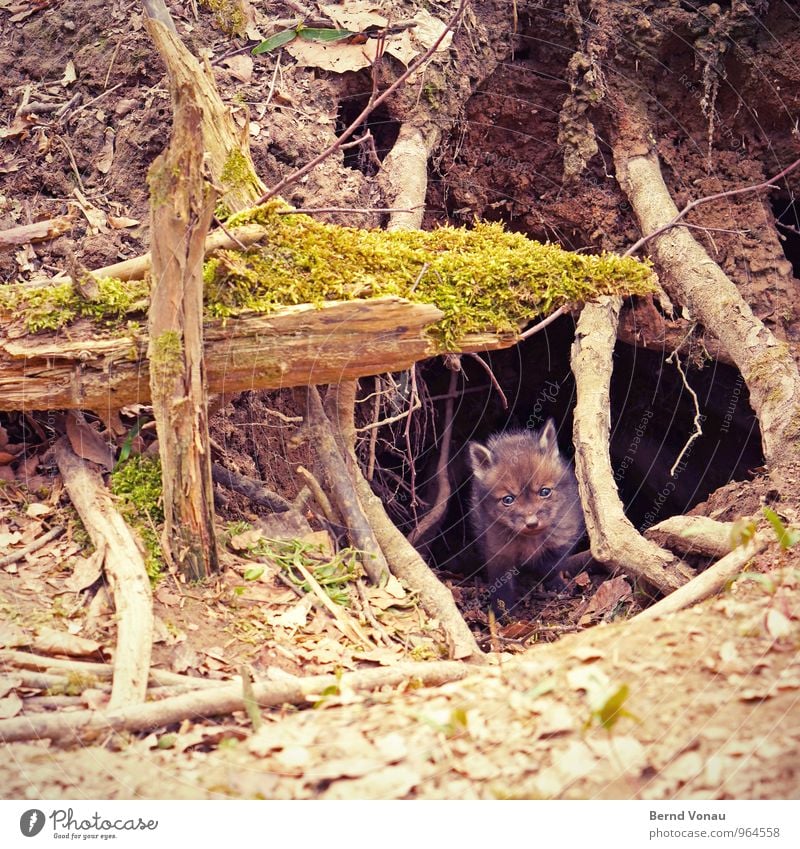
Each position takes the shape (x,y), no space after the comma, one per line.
(240,67)
(85,572)
(86,442)
(121,222)
(7,684)
(10,706)
(12,636)
(778,626)
(36,509)
(609,594)
(295,617)
(106,157)
(95,216)
(70,74)
(393,782)
(49,641)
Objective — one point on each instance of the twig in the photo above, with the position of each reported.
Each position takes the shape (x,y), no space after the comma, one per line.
(253,489)
(372,104)
(433,517)
(319,495)
(487,368)
(365,210)
(407,433)
(366,607)
(373,436)
(83,107)
(113,59)
(543,323)
(698,430)
(766,184)
(415,405)
(223,700)
(31,547)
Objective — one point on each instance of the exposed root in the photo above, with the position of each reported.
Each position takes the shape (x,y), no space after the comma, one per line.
(222,700)
(614,540)
(693,535)
(125,571)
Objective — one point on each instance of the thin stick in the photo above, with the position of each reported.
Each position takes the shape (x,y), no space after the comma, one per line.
(487,368)
(373,103)
(359,209)
(31,547)
(543,323)
(698,430)
(766,184)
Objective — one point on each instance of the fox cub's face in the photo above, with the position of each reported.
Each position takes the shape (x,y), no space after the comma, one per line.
(522,486)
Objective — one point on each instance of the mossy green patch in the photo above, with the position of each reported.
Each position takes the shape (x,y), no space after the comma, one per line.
(483,279)
(137,483)
(52,307)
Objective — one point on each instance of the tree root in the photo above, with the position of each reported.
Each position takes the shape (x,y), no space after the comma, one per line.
(709,582)
(404,561)
(614,540)
(695,281)
(223,700)
(693,535)
(125,571)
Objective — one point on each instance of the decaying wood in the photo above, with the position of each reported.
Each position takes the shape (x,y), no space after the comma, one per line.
(181,207)
(38,231)
(693,535)
(124,569)
(614,540)
(38,543)
(94,368)
(404,561)
(223,141)
(224,700)
(693,280)
(340,486)
(708,583)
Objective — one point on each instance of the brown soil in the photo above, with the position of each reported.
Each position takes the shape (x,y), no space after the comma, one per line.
(714,692)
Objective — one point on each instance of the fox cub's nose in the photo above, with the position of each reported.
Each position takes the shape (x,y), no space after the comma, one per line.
(532,522)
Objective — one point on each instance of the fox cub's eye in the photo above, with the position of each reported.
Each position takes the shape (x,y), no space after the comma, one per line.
(545,492)
(507,499)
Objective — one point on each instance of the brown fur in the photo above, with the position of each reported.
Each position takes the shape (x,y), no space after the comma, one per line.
(536,528)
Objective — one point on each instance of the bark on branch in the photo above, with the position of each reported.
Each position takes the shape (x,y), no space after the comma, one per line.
(125,571)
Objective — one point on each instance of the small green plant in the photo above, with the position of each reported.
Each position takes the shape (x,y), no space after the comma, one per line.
(611,710)
(137,484)
(786,536)
(742,532)
(333,572)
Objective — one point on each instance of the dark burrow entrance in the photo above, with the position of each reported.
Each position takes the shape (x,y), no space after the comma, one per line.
(652,418)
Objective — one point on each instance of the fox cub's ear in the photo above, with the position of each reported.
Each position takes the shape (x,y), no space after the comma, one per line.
(480,459)
(548,442)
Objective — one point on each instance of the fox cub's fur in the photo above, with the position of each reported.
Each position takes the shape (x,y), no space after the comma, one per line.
(524,510)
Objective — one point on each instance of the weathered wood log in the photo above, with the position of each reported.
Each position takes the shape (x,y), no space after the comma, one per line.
(87,367)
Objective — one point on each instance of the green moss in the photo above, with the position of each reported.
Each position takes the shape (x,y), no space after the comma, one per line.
(228,15)
(137,484)
(483,279)
(237,170)
(166,358)
(52,307)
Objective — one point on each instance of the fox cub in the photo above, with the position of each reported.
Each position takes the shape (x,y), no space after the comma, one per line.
(524,507)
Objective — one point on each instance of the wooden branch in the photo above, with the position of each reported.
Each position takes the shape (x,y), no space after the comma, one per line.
(340,485)
(99,671)
(223,700)
(614,540)
(38,231)
(403,559)
(125,571)
(707,583)
(38,543)
(224,143)
(693,535)
(252,489)
(95,368)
